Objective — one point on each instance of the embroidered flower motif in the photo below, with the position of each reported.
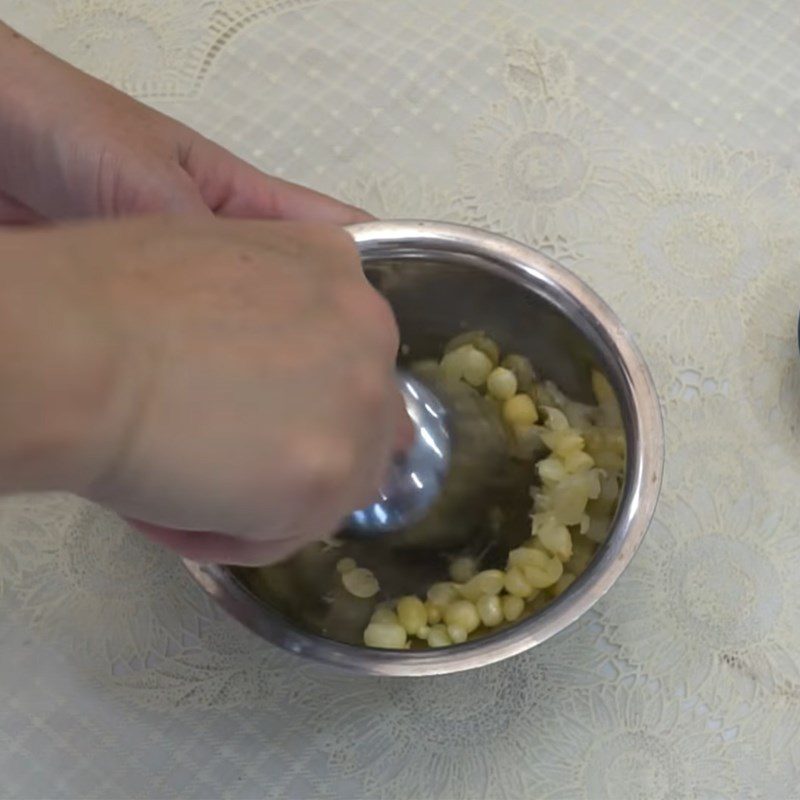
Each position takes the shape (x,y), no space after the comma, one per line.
(95,35)
(396,195)
(222,666)
(702,230)
(465,735)
(714,574)
(629,743)
(113,597)
(544,172)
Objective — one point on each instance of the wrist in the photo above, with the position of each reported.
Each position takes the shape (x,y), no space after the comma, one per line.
(56,370)
(45,105)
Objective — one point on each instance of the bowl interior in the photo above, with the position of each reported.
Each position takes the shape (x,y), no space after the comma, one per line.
(435,299)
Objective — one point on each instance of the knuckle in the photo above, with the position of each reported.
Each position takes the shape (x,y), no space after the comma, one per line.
(326,469)
(333,244)
(366,315)
(369,387)
(380,319)
(338,238)
(382,314)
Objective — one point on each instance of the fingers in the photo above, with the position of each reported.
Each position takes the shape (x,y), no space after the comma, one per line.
(263,196)
(216,548)
(233,188)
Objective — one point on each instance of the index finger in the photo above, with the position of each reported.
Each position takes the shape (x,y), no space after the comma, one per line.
(234,188)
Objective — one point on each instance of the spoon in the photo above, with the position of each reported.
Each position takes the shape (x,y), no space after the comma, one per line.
(415,477)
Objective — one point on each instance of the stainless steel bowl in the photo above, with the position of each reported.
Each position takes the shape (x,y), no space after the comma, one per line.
(440,278)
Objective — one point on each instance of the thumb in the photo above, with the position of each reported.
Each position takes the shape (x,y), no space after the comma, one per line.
(218,548)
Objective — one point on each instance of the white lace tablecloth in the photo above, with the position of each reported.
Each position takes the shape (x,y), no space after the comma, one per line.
(652,146)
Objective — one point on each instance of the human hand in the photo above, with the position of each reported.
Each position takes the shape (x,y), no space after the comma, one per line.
(228,384)
(74,147)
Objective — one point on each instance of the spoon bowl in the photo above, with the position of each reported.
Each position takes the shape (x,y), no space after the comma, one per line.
(415,477)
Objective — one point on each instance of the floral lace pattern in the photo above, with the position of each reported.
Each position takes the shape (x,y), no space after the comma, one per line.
(650,146)
(540,170)
(467,735)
